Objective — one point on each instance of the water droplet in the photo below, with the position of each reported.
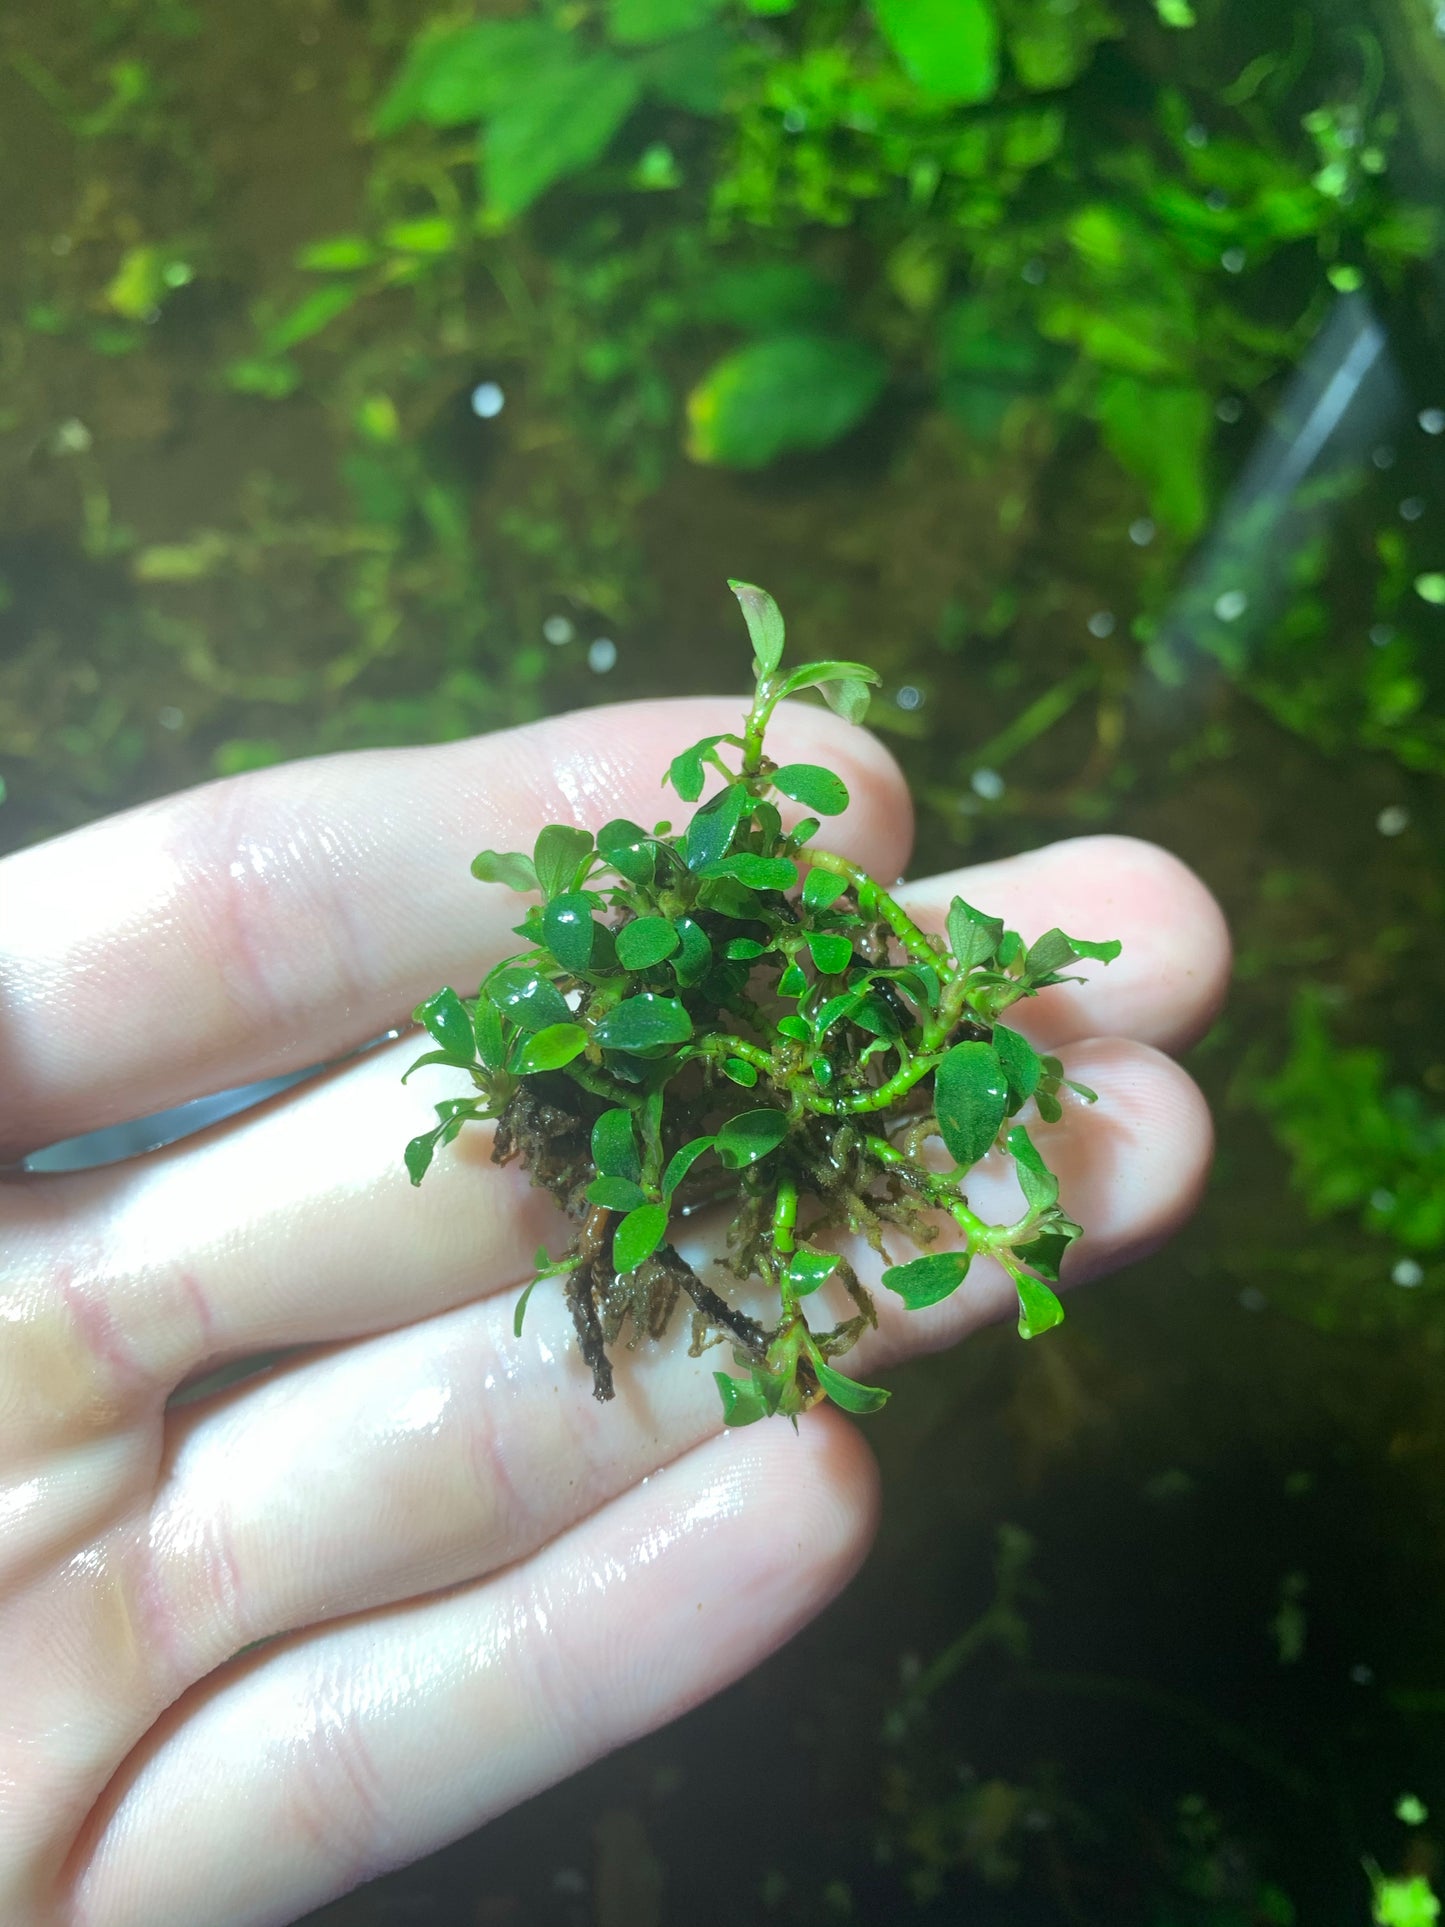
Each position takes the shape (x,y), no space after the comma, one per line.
(601,655)
(1034,272)
(909,698)
(170,717)
(1412,508)
(1142,532)
(795,120)
(1102,623)
(988,784)
(1383,456)
(1408,1274)
(557,630)
(1233,260)
(1231,605)
(1196,135)
(1432,420)
(487,400)
(1229,408)
(1393,820)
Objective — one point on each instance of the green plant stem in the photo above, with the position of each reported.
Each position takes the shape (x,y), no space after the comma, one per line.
(874,900)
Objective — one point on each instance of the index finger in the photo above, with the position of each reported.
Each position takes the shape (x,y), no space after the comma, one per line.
(263,923)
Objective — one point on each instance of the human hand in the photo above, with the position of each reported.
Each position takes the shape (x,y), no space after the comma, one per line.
(474,1578)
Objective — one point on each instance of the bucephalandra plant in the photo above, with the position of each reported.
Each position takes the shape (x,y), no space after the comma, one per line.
(728,1014)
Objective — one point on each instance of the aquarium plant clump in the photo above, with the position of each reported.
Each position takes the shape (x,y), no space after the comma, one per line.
(727,1014)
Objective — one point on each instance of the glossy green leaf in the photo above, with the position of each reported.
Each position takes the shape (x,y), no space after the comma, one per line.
(447,1057)
(556,124)
(559,857)
(646,941)
(846,1393)
(742,1403)
(614,1145)
(765,624)
(730,899)
(644,1023)
(687,771)
(1037,1182)
(1039,1309)
(972,937)
(755,872)
(843,1005)
(826,675)
(746,948)
(1054,952)
(527,998)
(793,983)
(490,1034)
(681,1162)
(744,1139)
(781,395)
(830,953)
(638,23)
(570,930)
(927,1281)
(509,867)
(629,849)
(1022,1065)
(1045,1253)
(798,1028)
(419,1153)
(822,889)
(638,1236)
(970,1096)
(445,1017)
(713,827)
(740,1072)
(847,697)
(616,1194)
(550,1049)
(949,47)
(815,788)
(521,1309)
(693,958)
(807,1270)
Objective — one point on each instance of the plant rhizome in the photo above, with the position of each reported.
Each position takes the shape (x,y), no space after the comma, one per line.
(727,1014)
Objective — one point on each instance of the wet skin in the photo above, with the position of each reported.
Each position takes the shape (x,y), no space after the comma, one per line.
(474,1579)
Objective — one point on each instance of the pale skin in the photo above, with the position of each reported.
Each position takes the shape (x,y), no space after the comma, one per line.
(472,1577)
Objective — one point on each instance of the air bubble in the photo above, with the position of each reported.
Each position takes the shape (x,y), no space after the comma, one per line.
(1233,260)
(601,655)
(1229,408)
(1102,623)
(909,698)
(1408,1274)
(1142,532)
(487,400)
(1393,820)
(558,630)
(988,784)
(1432,420)
(1231,605)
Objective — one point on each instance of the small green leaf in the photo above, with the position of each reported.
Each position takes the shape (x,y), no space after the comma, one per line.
(712,829)
(789,392)
(742,1403)
(419,1154)
(728,897)
(644,1023)
(439,1057)
(638,1236)
(490,1033)
(550,1049)
(528,998)
(687,772)
(1045,1253)
(1431,587)
(755,872)
(629,849)
(970,1097)
(1037,1182)
(616,1194)
(807,1270)
(1039,1309)
(815,788)
(821,675)
(509,867)
(927,1281)
(765,624)
(745,949)
(740,1071)
(972,937)
(445,1017)
(949,47)
(843,1005)
(847,1393)
(693,958)
(521,1311)
(830,953)
(559,857)
(571,933)
(680,1163)
(1022,1065)
(793,983)
(822,889)
(795,1027)
(848,698)
(558,122)
(646,941)
(614,1146)
(744,1139)
(1176,13)
(638,23)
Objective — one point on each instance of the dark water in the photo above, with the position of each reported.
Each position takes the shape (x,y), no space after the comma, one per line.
(1223,1664)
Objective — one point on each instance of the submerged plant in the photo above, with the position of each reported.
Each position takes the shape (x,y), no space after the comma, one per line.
(689,1027)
